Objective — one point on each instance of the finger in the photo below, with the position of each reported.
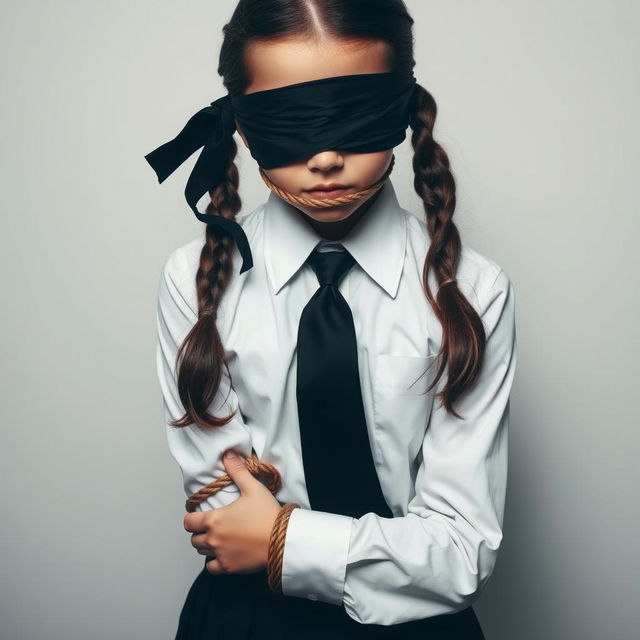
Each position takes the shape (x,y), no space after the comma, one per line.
(238,472)
(195,522)
(198,542)
(214,566)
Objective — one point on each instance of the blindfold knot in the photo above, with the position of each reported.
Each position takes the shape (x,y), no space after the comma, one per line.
(359,113)
(211,129)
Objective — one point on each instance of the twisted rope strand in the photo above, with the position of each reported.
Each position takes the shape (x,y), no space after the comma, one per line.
(255,466)
(276,547)
(327,202)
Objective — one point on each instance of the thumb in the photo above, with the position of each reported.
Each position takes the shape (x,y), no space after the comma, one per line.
(237,471)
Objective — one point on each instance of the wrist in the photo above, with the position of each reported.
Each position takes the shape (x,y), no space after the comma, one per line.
(276,547)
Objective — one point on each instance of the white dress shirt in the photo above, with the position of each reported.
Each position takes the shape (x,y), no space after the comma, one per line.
(443,478)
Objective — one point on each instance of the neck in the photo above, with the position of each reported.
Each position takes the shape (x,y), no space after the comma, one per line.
(339,229)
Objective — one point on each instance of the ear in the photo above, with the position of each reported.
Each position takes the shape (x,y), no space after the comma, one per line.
(239,130)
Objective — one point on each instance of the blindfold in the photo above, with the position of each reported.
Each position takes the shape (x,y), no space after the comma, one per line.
(360,113)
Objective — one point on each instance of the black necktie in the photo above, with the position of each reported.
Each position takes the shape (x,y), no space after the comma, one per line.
(338,464)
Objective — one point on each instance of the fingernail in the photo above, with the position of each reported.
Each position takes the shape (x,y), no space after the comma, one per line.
(230,454)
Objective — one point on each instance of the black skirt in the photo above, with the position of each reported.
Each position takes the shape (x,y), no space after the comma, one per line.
(242,607)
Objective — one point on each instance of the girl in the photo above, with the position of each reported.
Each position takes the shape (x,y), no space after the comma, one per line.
(381,507)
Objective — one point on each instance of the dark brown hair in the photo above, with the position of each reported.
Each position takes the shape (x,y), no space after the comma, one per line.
(201,356)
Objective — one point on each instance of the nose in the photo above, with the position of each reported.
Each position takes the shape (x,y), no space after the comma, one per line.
(326,160)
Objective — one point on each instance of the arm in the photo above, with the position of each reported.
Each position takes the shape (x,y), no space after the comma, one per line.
(198,452)
(439,556)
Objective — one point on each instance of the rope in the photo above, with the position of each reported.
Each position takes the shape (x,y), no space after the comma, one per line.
(276,547)
(276,541)
(327,202)
(255,466)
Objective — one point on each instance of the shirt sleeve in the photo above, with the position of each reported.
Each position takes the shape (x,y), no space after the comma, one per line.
(197,451)
(438,557)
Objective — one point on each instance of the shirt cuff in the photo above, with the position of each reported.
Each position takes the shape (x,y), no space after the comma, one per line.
(315,554)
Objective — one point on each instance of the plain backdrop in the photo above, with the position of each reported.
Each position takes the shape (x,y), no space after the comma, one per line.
(538,111)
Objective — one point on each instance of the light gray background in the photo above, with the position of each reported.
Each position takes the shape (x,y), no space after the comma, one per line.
(538,110)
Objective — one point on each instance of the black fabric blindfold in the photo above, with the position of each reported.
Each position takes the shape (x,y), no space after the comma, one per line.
(359,113)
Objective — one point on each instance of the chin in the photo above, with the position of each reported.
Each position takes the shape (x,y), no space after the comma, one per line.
(328,215)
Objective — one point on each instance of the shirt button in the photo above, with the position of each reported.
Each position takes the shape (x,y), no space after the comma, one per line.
(312,596)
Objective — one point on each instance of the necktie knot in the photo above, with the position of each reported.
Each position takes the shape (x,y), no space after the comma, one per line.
(331,266)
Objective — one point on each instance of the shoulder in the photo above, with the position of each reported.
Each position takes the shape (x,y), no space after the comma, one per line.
(479,276)
(181,265)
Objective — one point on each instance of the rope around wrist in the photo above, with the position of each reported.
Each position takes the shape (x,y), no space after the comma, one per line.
(276,547)
(256,467)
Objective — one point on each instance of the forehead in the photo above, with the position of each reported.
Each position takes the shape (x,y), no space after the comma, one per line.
(277,63)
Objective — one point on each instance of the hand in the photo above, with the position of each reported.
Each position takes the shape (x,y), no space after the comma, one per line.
(236,536)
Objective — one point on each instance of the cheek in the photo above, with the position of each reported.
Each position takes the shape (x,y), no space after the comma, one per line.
(373,165)
(285,177)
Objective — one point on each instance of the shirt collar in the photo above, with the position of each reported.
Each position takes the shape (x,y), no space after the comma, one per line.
(377,242)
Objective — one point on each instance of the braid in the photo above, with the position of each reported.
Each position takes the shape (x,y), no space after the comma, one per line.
(463,336)
(216,266)
(201,356)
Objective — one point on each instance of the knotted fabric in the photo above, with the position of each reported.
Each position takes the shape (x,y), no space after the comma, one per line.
(338,463)
(359,113)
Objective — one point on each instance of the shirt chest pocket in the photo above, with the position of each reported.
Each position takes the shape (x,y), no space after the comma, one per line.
(401,407)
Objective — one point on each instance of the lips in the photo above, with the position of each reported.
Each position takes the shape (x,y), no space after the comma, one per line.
(329,190)
(331,193)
